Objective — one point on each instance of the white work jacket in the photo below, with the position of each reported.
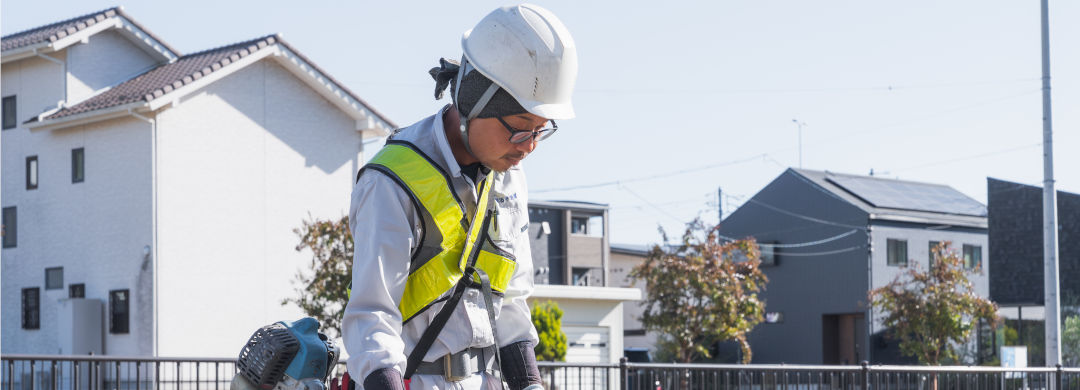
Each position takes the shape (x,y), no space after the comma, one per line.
(386,228)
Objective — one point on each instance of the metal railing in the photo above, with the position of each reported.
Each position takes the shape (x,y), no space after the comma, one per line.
(651,376)
(51,372)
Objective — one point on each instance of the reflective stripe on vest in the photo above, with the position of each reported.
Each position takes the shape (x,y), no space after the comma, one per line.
(434,272)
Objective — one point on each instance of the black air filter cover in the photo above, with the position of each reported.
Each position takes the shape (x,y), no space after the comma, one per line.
(266,356)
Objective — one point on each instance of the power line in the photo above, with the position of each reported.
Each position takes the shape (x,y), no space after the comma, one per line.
(805,217)
(768,157)
(651,177)
(879,88)
(627,189)
(802,244)
(825,253)
(972,157)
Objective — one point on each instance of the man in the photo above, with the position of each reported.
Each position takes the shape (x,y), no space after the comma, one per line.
(442,266)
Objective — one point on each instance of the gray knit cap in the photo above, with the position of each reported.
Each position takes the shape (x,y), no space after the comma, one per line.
(472,87)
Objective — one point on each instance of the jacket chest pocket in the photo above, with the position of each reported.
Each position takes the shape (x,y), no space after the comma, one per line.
(508,225)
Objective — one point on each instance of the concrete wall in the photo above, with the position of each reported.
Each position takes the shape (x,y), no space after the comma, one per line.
(803,288)
(586,251)
(107,59)
(621,264)
(588,307)
(241,164)
(96,230)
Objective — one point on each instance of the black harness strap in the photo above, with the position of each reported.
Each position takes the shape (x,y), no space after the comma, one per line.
(466,281)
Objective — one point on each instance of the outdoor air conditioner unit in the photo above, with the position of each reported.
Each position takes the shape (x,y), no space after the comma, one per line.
(80,330)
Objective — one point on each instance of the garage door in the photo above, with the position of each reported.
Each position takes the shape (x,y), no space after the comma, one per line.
(586,344)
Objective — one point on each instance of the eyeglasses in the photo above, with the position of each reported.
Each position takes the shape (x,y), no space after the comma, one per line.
(519,136)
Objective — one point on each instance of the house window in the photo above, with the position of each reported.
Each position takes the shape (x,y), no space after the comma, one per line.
(78,165)
(972,256)
(592,226)
(31,308)
(897,252)
(54,278)
(930,250)
(31,172)
(10,115)
(118,311)
(581,276)
(10,228)
(579,225)
(77,290)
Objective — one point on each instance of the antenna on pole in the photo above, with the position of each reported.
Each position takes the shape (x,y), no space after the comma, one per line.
(719,204)
(800,125)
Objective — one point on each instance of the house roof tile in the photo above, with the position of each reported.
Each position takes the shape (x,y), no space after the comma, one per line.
(59,30)
(165,78)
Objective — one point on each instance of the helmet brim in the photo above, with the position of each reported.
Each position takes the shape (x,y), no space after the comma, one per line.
(557,111)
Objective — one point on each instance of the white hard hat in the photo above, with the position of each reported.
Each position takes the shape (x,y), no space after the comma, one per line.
(527,51)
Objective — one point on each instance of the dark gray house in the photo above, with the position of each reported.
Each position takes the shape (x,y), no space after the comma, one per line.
(569,243)
(1016,255)
(827,239)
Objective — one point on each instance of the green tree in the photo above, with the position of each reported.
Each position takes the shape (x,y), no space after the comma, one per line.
(547,318)
(1070,341)
(932,312)
(321,291)
(702,291)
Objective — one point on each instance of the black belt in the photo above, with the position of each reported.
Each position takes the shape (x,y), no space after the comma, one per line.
(458,366)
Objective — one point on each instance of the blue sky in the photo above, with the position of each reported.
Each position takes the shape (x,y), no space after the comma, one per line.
(678,98)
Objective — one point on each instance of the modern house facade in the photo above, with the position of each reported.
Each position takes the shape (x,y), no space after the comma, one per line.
(1016,255)
(160,190)
(827,239)
(624,257)
(571,258)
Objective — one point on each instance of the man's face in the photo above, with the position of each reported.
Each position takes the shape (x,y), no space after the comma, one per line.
(490,140)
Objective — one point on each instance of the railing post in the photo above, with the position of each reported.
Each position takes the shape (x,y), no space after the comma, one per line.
(865,375)
(623,374)
(1059,375)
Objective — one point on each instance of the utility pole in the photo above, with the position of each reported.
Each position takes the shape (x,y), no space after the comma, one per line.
(1051,301)
(800,124)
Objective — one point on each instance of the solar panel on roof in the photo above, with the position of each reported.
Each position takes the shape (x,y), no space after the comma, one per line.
(893,194)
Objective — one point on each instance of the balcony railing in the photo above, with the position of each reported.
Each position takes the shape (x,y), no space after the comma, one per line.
(49,372)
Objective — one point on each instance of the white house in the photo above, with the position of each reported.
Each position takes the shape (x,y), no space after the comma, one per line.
(154,194)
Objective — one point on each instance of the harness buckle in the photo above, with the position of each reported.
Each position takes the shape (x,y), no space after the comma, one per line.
(455,366)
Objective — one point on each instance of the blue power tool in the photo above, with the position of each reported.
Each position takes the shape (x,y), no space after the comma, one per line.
(283,356)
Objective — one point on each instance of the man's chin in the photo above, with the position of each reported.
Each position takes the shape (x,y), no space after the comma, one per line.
(502,164)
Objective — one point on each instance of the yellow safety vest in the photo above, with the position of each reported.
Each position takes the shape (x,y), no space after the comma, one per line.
(449,237)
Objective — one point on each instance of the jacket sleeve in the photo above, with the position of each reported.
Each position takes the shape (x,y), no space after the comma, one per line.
(383,224)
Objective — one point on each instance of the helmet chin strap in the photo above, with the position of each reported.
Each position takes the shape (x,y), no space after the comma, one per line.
(477,108)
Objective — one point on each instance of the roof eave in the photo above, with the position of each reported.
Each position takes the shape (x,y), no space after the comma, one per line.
(87,117)
(960,221)
(573,206)
(24,52)
(369,121)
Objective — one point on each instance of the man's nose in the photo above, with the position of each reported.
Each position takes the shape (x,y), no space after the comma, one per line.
(527,146)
